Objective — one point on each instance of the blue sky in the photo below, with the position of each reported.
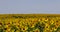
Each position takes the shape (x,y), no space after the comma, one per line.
(29,6)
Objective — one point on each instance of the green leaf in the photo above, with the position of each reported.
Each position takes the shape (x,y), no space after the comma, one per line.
(52,25)
(14,28)
(29,28)
(1,30)
(40,26)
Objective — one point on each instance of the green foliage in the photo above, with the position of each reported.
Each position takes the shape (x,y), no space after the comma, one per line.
(1,30)
(58,29)
(52,25)
(17,16)
(14,28)
(29,28)
(40,26)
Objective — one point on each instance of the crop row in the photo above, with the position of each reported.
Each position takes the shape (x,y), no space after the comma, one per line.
(31,24)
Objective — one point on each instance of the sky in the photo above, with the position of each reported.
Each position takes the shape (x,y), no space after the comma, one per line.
(29,6)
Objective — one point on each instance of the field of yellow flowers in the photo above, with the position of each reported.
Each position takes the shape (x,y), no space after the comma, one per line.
(28,23)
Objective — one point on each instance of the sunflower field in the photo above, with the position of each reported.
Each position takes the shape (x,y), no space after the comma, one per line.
(16,23)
